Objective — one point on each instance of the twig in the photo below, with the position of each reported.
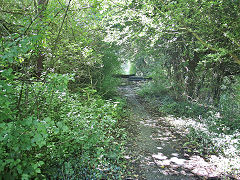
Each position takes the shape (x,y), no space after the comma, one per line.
(20,98)
(6,29)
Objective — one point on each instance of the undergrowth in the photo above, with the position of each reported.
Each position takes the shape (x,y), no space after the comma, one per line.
(211,130)
(60,134)
(167,104)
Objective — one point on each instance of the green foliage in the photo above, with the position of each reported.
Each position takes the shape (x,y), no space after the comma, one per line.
(6,94)
(188,38)
(132,69)
(200,142)
(53,55)
(228,119)
(167,104)
(87,137)
(182,109)
(105,82)
(153,89)
(21,144)
(59,130)
(52,122)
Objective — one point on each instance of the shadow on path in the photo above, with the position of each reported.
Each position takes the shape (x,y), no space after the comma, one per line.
(154,151)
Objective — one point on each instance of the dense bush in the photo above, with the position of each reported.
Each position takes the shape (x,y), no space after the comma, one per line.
(166,103)
(52,122)
(229,105)
(90,144)
(182,109)
(60,134)
(105,83)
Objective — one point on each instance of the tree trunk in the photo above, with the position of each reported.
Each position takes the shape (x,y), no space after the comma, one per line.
(40,64)
(217,89)
(41,8)
(191,82)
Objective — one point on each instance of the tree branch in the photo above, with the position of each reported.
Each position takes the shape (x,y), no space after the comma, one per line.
(6,29)
(13,12)
(235,58)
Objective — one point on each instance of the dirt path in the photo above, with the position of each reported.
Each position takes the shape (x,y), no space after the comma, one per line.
(154,151)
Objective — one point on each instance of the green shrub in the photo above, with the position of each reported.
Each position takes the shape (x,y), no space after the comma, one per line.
(225,118)
(153,89)
(88,138)
(200,141)
(169,105)
(59,134)
(183,109)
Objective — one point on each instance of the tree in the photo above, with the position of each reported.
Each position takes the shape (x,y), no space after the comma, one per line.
(193,35)
(51,57)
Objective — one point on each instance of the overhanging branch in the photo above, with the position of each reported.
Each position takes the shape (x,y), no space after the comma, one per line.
(235,58)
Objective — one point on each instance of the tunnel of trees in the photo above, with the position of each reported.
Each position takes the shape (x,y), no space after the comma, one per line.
(58,103)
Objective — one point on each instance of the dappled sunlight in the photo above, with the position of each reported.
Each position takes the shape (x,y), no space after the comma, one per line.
(157,147)
(159,156)
(169,156)
(227,143)
(194,165)
(156,150)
